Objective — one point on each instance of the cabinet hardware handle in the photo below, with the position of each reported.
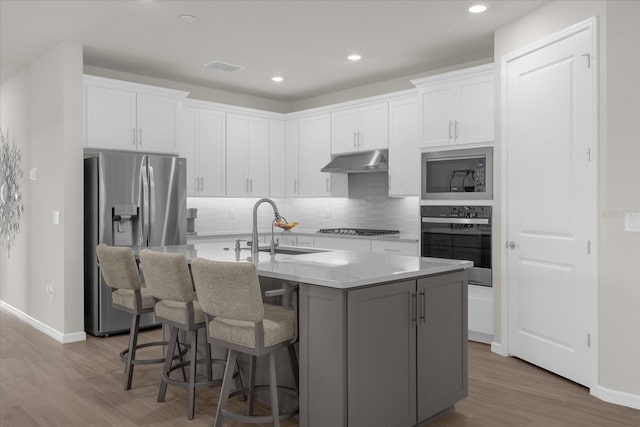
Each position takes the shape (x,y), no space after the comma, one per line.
(450,133)
(413,308)
(140,139)
(201,183)
(295,186)
(133,140)
(392,250)
(423,304)
(455,129)
(354,139)
(359,141)
(247,185)
(251,186)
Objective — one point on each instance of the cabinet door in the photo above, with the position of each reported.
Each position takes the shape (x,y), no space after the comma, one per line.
(404,152)
(362,245)
(381,366)
(187,143)
(277,174)
(237,182)
(439,105)
(475,117)
(258,157)
(110,118)
(292,182)
(373,130)
(442,342)
(344,131)
(314,154)
(211,153)
(156,123)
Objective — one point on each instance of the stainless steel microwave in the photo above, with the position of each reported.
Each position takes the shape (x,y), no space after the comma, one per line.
(462,174)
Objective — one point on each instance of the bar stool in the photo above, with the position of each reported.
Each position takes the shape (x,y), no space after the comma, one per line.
(169,281)
(128,294)
(229,294)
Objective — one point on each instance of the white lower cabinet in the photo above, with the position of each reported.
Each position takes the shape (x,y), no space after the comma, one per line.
(305,241)
(394,248)
(481,313)
(363,245)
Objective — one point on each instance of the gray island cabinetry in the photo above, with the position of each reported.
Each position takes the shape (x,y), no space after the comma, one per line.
(391,354)
(382,338)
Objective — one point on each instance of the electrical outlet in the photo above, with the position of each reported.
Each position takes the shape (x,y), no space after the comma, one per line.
(33,174)
(327,213)
(55,217)
(632,222)
(232,214)
(49,290)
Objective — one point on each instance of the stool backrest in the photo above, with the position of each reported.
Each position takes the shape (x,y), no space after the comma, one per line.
(167,275)
(230,290)
(118,267)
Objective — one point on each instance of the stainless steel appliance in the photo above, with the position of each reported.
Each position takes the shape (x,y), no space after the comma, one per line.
(459,232)
(130,199)
(463,174)
(357,231)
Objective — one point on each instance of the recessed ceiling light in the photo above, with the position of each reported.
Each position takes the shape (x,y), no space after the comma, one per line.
(354,57)
(187,18)
(277,79)
(477,8)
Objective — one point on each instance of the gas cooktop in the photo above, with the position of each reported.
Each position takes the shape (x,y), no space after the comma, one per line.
(357,231)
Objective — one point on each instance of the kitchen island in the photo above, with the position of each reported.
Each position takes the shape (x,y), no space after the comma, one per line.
(383,338)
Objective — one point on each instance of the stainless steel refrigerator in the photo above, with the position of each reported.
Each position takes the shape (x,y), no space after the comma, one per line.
(130,199)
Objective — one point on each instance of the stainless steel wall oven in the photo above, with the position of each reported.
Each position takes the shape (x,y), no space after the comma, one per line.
(459,232)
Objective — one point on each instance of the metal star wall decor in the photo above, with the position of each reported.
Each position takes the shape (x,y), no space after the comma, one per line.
(11,208)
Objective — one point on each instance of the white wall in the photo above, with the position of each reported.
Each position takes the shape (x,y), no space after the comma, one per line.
(42,107)
(619,162)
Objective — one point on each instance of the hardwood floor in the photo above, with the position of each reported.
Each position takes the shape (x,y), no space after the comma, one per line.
(44,383)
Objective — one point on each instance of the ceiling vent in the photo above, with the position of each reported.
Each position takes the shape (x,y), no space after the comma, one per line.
(219,65)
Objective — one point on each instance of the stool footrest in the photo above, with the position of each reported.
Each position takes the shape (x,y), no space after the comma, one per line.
(125,352)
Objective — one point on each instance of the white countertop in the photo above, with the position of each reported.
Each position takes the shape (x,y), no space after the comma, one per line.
(330,268)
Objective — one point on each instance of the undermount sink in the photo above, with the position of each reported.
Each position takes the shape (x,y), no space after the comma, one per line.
(293,250)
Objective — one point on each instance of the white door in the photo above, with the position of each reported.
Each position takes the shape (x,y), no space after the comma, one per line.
(156,118)
(344,133)
(110,118)
(551,205)
(211,153)
(237,181)
(373,130)
(258,157)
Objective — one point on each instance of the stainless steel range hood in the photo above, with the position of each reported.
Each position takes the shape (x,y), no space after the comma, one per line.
(367,161)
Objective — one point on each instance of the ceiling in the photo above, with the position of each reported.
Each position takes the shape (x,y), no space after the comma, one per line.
(306,42)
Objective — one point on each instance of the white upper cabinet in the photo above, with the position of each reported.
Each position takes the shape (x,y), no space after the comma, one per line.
(129,116)
(362,128)
(247,156)
(314,152)
(202,142)
(292,179)
(404,143)
(457,107)
(277,150)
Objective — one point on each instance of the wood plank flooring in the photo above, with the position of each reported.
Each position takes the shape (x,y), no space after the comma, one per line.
(45,383)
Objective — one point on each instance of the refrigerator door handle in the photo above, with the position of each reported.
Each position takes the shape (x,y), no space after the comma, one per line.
(144,172)
(151,200)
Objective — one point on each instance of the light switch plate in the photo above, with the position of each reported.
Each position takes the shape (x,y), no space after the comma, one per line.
(33,174)
(55,217)
(632,222)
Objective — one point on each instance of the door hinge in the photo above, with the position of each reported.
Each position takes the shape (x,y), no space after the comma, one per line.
(588,246)
(588,340)
(588,55)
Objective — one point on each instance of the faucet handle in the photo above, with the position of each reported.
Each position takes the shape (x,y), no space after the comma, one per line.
(238,243)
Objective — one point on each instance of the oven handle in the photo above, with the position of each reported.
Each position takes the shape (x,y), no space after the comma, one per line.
(456,220)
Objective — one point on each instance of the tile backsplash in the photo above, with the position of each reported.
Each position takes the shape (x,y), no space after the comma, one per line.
(368,206)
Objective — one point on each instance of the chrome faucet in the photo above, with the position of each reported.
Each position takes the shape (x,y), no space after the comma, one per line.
(254,235)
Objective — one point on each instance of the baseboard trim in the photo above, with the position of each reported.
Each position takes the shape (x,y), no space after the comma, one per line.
(617,397)
(496,347)
(480,337)
(46,329)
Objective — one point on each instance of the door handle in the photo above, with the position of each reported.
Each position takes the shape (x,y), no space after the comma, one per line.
(455,129)
(295,186)
(423,304)
(450,133)
(359,141)
(414,309)
(511,244)
(133,140)
(354,139)
(140,139)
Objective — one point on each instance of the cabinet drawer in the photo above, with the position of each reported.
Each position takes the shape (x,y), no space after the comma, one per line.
(395,248)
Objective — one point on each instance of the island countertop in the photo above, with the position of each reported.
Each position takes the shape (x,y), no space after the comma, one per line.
(329,268)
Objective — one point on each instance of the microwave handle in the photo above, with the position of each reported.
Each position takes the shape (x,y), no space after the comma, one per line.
(439,220)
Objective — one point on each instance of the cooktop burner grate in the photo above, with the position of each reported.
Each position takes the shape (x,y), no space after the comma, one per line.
(357,231)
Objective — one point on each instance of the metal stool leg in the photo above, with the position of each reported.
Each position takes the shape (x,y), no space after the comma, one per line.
(294,366)
(252,385)
(166,370)
(226,387)
(208,361)
(192,374)
(133,342)
(273,386)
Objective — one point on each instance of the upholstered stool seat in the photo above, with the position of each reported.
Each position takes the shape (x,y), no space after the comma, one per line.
(230,296)
(169,281)
(120,273)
